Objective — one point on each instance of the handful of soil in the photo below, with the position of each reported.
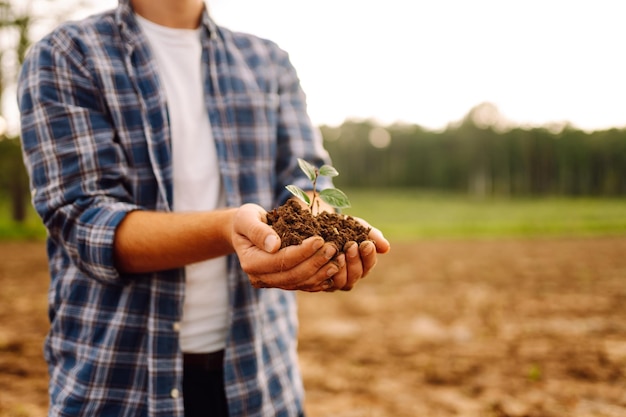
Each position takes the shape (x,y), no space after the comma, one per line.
(293,223)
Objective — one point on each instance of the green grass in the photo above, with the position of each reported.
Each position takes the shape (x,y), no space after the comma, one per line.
(411,214)
(31,229)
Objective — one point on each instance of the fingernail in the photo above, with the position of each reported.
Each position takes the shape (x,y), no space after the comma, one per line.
(353,251)
(270,243)
(367,248)
(329,252)
(318,243)
(341,260)
(331,271)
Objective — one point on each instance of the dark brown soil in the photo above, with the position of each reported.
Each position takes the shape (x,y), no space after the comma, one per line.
(293,223)
(442,328)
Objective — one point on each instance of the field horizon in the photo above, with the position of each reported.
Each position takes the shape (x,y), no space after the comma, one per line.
(416,214)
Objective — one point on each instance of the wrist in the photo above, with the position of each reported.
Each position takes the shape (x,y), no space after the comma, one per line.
(227,220)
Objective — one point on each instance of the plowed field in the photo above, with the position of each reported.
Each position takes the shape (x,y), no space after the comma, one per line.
(494,328)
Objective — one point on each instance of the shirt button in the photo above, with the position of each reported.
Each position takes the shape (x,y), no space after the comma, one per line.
(176,326)
(175,393)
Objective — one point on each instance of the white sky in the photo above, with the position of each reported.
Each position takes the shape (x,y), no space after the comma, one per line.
(430,62)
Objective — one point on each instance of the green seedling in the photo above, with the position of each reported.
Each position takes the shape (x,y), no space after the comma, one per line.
(332,196)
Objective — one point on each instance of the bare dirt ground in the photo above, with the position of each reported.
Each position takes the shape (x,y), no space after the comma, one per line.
(503,328)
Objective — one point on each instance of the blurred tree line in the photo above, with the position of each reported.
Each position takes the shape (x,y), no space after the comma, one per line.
(467,157)
(20,20)
(15,26)
(480,156)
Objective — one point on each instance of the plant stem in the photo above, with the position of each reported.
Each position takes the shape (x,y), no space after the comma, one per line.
(314,192)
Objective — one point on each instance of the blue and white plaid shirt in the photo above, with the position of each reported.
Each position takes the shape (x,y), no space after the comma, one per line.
(96,143)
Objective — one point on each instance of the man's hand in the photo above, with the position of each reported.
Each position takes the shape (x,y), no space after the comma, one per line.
(360,259)
(307,267)
(310,266)
(154,241)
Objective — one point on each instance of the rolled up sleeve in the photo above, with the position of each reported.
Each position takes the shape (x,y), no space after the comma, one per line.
(77,168)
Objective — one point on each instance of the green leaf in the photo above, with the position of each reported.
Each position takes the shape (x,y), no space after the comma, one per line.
(328,171)
(335,198)
(298,192)
(308,169)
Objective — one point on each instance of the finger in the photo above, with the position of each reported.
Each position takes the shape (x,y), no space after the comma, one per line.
(319,252)
(354,266)
(376,236)
(382,245)
(340,279)
(258,262)
(322,280)
(329,285)
(251,222)
(307,275)
(311,274)
(367,250)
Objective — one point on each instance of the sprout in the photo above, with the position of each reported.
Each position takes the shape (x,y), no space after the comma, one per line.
(332,196)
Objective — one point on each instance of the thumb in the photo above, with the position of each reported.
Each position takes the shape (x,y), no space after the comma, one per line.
(271,243)
(251,223)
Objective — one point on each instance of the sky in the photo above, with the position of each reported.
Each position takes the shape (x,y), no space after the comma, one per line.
(429,62)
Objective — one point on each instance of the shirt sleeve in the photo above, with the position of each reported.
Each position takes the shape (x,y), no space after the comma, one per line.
(297,137)
(75,163)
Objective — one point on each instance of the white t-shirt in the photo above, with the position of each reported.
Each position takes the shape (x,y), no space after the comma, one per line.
(196,176)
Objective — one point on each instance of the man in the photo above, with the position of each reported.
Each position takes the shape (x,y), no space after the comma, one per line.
(155,141)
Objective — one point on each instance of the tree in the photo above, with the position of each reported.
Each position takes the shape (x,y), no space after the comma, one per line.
(18,22)
(15,29)
(484,155)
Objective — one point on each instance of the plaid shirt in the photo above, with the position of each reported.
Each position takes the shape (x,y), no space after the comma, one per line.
(96,143)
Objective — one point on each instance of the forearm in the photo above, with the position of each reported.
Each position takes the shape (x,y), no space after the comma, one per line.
(154,241)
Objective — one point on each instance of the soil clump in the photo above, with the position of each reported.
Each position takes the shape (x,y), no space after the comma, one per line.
(293,223)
